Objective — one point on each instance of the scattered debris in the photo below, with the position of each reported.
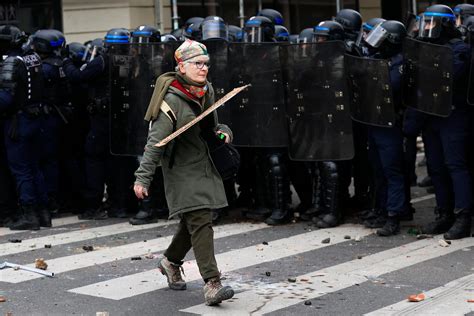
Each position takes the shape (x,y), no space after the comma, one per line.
(268,273)
(307,303)
(424,236)
(145,240)
(3,299)
(265,243)
(41,264)
(326,241)
(443,243)
(136,258)
(359,257)
(413,231)
(158,236)
(470,300)
(14,240)
(292,280)
(347,237)
(47,246)
(15,266)
(358,238)
(416,297)
(33,246)
(304,280)
(102,314)
(87,248)
(150,256)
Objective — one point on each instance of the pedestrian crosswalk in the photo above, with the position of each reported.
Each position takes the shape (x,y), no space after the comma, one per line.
(274,270)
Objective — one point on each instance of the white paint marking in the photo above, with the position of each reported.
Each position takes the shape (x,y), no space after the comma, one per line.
(265,298)
(449,299)
(56,222)
(132,285)
(423,198)
(75,236)
(101,256)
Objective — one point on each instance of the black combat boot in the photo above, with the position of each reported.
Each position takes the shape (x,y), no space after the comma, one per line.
(377,219)
(462,225)
(146,214)
(278,191)
(28,219)
(332,215)
(442,223)
(44,216)
(391,227)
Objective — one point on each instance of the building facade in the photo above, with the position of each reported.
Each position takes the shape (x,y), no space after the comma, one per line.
(82,20)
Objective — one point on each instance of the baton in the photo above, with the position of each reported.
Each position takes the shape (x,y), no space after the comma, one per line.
(26,268)
(213,107)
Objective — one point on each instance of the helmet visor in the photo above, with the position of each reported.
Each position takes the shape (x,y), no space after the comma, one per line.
(429,26)
(376,37)
(214,29)
(253,35)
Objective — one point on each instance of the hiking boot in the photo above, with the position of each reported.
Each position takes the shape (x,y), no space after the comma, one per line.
(278,217)
(461,227)
(143,217)
(214,292)
(391,227)
(28,219)
(442,223)
(172,271)
(326,220)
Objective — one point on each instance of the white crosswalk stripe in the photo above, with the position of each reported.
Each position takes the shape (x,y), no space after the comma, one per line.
(57,222)
(75,236)
(449,299)
(132,285)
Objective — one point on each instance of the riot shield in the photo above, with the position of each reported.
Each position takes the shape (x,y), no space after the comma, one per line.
(428,77)
(132,79)
(217,50)
(371,91)
(320,125)
(257,115)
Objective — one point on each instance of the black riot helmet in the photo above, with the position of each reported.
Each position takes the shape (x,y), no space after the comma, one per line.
(275,16)
(328,31)
(281,34)
(178,34)
(259,29)
(193,31)
(193,20)
(116,36)
(77,52)
(436,22)
(371,24)
(168,38)
(11,37)
(214,27)
(351,20)
(94,48)
(146,34)
(389,33)
(236,34)
(48,42)
(463,11)
(306,36)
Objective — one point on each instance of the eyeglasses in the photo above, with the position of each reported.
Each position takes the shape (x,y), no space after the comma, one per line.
(200,64)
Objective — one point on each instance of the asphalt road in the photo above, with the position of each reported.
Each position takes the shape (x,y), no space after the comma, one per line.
(284,270)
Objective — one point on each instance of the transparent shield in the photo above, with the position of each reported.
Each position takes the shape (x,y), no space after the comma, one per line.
(214,30)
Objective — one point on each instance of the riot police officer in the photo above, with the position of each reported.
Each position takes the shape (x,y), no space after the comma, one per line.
(21,86)
(463,11)
(48,44)
(386,143)
(446,139)
(351,21)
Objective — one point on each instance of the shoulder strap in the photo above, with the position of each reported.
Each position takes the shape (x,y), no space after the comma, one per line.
(166,109)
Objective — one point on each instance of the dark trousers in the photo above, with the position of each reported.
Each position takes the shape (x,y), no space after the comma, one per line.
(49,140)
(446,141)
(386,152)
(195,231)
(22,143)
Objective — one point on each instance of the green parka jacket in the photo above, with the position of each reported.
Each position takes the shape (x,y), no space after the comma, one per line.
(193,182)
